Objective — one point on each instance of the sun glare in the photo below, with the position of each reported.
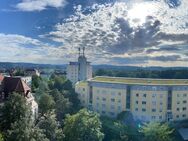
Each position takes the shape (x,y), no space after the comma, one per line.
(138,13)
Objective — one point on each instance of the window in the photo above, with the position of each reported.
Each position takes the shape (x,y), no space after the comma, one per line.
(119,100)
(184,115)
(160,117)
(178,102)
(144,95)
(112,99)
(161,110)
(103,99)
(111,113)
(185,101)
(83,89)
(119,93)
(136,109)
(184,108)
(144,102)
(103,112)
(97,98)
(137,95)
(112,107)
(177,116)
(153,117)
(143,109)
(178,109)
(136,102)
(153,110)
(184,95)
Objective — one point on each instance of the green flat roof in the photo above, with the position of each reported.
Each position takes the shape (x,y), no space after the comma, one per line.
(140,81)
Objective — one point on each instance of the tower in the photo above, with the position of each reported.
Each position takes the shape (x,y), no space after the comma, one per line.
(82,65)
(80,70)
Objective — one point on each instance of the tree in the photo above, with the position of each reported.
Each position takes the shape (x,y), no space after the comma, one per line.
(83,126)
(73,98)
(114,130)
(63,107)
(13,110)
(46,104)
(51,128)
(24,130)
(156,132)
(35,82)
(1,137)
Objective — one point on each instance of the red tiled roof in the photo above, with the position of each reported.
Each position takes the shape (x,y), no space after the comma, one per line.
(1,77)
(15,84)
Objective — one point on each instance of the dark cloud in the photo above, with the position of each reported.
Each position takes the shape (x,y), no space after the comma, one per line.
(164,48)
(132,60)
(166,58)
(173,3)
(144,59)
(134,39)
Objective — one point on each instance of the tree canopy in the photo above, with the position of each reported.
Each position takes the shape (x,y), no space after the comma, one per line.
(156,132)
(83,126)
(13,110)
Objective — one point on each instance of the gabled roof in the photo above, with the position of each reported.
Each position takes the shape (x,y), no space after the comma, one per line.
(1,77)
(15,84)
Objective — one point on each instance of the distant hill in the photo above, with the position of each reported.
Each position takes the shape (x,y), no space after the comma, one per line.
(134,68)
(9,65)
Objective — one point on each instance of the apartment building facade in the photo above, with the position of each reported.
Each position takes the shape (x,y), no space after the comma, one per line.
(147,99)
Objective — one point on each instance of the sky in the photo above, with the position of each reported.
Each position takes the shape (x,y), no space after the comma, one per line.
(114,32)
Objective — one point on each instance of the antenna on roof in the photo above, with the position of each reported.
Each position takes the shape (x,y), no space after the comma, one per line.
(79,51)
(83,51)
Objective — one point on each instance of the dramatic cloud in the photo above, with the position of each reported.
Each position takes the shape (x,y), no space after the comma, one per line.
(39,5)
(143,31)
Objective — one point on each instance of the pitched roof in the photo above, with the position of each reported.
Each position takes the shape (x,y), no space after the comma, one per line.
(15,84)
(1,77)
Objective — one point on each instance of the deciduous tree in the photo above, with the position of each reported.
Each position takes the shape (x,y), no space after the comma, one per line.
(83,126)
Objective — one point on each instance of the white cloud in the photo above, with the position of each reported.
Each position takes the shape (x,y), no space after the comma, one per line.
(39,5)
(108,30)
(18,48)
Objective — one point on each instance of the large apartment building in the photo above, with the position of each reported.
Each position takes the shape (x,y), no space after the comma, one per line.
(146,99)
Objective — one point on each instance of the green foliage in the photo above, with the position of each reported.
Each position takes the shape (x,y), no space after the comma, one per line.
(19,72)
(141,73)
(13,110)
(35,82)
(63,107)
(73,98)
(156,132)
(83,126)
(60,83)
(114,130)
(24,130)
(1,137)
(46,104)
(51,128)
